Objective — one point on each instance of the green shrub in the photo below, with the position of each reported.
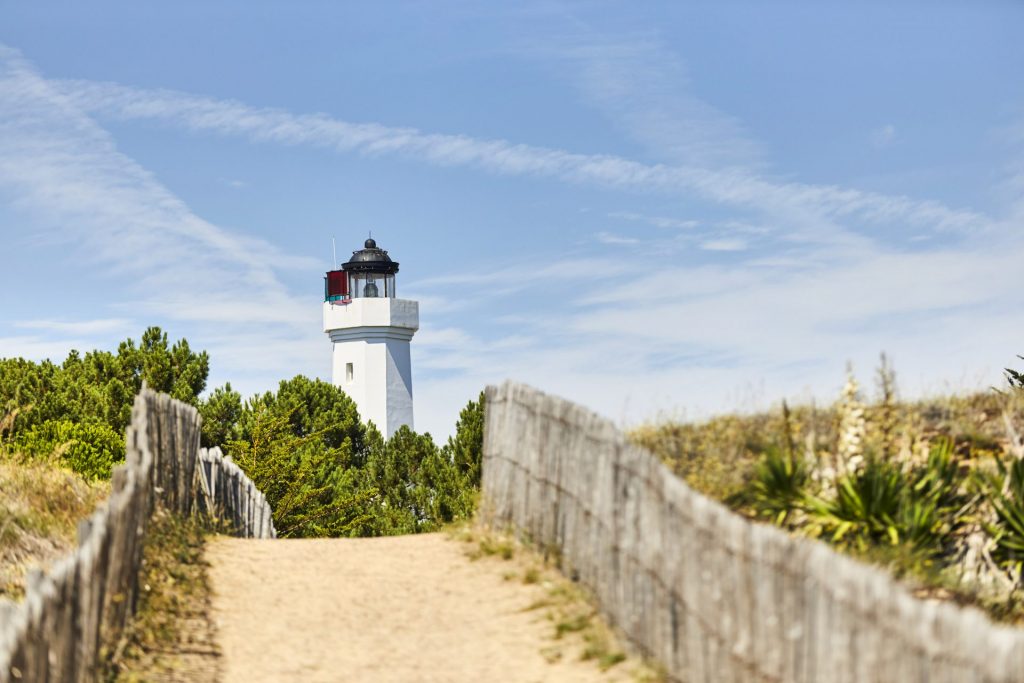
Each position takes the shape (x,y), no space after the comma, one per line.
(83,405)
(91,448)
(221,413)
(465,449)
(325,473)
(304,482)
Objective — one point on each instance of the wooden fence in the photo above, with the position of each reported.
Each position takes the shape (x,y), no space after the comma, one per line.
(708,594)
(86,599)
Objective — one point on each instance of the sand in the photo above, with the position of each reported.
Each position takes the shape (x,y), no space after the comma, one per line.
(402,608)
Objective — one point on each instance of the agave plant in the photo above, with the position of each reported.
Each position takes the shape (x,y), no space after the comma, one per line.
(881,505)
(1015,377)
(939,479)
(865,507)
(778,487)
(935,503)
(1005,492)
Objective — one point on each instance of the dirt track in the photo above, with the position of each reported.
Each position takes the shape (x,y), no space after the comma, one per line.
(404,608)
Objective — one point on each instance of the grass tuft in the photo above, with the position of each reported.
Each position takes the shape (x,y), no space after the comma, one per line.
(567,606)
(41,504)
(171,636)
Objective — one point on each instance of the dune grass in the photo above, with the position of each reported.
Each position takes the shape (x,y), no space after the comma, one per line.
(41,504)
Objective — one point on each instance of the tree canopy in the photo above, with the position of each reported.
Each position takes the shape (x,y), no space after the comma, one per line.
(324,472)
(81,407)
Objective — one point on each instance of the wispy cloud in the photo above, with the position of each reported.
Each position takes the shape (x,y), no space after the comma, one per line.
(647,91)
(813,207)
(169,265)
(883,136)
(64,168)
(615,240)
(78,327)
(656,221)
(724,245)
(693,336)
(520,276)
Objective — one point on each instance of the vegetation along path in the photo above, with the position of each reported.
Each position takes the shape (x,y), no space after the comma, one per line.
(399,608)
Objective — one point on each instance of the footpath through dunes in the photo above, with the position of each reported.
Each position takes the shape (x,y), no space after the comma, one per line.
(399,608)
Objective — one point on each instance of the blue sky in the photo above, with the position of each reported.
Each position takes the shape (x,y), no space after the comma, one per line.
(654,209)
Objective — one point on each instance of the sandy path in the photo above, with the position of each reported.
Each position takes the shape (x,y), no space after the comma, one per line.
(405,608)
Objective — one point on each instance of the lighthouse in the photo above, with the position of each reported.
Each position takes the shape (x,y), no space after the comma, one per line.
(370,330)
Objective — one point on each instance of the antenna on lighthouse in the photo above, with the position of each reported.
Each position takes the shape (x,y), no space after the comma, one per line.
(334,254)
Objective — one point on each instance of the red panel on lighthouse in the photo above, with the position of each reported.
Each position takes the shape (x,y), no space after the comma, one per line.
(337,284)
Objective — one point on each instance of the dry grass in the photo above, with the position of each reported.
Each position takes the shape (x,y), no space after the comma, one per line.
(40,507)
(718,456)
(577,628)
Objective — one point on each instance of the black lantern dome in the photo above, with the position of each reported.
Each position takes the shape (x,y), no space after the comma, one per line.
(370,259)
(369,274)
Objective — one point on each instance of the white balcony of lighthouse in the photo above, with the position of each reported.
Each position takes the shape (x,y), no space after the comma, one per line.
(370,329)
(401,317)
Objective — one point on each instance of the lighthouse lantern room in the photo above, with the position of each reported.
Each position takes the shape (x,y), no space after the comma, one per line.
(370,329)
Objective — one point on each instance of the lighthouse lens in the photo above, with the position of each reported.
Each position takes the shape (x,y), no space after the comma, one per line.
(370,290)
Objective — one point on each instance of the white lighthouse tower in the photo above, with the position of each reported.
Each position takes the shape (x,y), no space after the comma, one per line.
(371,328)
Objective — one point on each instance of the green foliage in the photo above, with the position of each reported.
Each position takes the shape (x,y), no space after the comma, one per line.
(324,472)
(778,487)
(883,505)
(174,370)
(320,410)
(80,408)
(466,447)
(303,481)
(1005,490)
(394,469)
(100,386)
(936,502)
(420,486)
(865,507)
(221,413)
(1016,378)
(89,448)
(327,474)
